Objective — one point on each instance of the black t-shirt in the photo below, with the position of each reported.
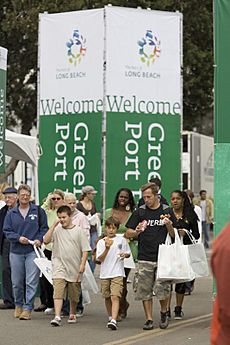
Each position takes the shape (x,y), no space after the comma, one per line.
(154,234)
(184,223)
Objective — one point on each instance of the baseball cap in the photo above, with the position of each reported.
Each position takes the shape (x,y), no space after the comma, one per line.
(88,189)
(10,190)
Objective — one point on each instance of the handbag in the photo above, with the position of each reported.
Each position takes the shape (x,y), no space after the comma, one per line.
(198,257)
(174,261)
(44,265)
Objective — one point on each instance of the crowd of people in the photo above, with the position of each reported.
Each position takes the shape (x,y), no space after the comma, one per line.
(73,235)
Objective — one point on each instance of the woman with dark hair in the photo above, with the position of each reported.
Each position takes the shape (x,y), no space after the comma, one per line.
(122,209)
(184,219)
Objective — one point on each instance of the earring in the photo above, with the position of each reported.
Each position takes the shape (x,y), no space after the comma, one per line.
(127,208)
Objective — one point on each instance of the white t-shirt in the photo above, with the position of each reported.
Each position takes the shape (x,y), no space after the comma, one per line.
(203,209)
(113,266)
(68,245)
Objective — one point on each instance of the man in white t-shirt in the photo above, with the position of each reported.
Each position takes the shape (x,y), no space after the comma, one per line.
(69,256)
(207,215)
(111,251)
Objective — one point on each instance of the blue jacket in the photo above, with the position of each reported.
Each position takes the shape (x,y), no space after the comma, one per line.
(34,227)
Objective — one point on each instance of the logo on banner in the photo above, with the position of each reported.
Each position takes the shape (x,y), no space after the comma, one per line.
(76,47)
(149,48)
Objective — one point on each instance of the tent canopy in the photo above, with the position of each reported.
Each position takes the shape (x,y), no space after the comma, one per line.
(21,147)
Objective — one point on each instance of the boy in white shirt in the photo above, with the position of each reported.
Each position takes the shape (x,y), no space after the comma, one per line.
(111,251)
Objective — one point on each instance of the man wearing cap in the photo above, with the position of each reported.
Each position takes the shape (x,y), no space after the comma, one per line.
(10,196)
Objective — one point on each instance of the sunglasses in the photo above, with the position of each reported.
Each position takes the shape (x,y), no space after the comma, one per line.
(56,199)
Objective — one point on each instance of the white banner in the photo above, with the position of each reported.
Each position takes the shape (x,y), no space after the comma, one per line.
(143,59)
(71,62)
(3,58)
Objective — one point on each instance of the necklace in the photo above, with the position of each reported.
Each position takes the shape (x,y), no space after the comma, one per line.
(178,215)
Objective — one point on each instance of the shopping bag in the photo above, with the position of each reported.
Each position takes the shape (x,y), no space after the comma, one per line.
(88,281)
(198,257)
(174,261)
(44,265)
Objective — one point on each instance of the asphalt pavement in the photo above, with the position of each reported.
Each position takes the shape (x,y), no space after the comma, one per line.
(91,329)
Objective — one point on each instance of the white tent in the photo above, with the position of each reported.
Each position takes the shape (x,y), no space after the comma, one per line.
(21,147)
(24,148)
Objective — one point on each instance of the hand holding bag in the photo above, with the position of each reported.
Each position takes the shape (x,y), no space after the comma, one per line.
(198,257)
(174,261)
(44,265)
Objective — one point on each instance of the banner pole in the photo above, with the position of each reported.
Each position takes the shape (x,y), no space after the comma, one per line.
(3,68)
(103,181)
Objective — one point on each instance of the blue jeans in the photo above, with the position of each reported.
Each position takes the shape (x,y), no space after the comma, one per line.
(25,279)
(93,237)
(205,231)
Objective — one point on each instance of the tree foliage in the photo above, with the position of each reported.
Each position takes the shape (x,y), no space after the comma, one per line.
(19,33)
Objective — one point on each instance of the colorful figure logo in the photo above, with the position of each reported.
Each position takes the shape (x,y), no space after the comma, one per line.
(149,48)
(76,48)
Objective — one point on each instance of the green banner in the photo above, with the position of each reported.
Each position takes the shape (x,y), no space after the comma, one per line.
(71,158)
(3,56)
(222,122)
(141,146)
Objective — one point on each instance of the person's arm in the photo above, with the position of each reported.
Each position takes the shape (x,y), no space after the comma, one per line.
(43,227)
(108,244)
(48,236)
(8,229)
(169,226)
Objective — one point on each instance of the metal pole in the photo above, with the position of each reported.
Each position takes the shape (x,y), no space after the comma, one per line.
(103,181)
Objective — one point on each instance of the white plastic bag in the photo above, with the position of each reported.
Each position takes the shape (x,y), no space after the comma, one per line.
(88,280)
(44,265)
(198,257)
(174,261)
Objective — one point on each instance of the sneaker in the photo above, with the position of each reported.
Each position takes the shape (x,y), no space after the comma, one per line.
(148,325)
(80,313)
(169,314)
(112,325)
(25,315)
(40,308)
(6,306)
(49,311)
(178,313)
(17,311)
(72,319)
(164,322)
(56,321)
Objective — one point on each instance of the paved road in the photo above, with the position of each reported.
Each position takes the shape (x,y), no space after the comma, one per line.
(91,330)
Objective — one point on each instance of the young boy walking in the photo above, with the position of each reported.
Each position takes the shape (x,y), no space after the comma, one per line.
(69,255)
(111,251)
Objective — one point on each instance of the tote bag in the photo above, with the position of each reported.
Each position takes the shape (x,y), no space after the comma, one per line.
(44,265)
(174,261)
(198,257)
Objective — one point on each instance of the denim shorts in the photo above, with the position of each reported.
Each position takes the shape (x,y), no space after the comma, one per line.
(145,282)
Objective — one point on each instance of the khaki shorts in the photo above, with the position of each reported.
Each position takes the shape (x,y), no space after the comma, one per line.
(145,283)
(61,287)
(111,287)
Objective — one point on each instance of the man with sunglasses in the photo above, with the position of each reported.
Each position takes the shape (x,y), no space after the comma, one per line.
(24,226)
